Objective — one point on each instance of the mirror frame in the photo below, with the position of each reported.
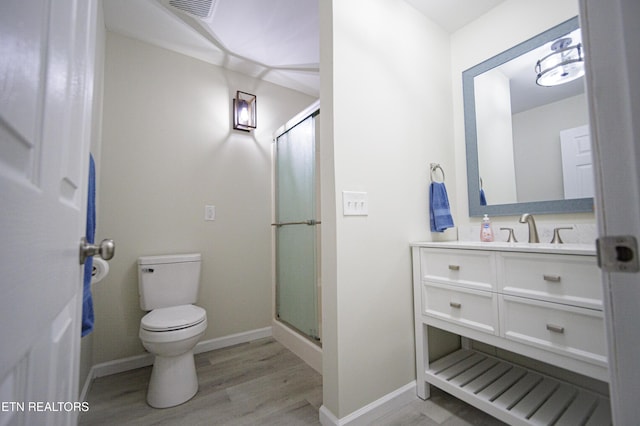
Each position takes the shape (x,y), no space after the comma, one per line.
(473,176)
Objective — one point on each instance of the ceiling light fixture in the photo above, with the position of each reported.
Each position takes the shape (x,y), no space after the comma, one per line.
(563,65)
(244,111)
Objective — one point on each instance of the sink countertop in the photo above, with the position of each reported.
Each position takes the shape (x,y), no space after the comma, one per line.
(577,249)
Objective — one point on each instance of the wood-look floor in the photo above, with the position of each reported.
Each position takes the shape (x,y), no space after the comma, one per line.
(256,383)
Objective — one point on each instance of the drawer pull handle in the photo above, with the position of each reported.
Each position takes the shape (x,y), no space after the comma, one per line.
(552,278)
(455,305)
(555,328)
(454,267)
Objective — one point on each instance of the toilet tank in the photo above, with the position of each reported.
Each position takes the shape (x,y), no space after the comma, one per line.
(169,280)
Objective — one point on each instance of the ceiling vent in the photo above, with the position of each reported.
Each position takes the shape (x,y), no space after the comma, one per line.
(198,8)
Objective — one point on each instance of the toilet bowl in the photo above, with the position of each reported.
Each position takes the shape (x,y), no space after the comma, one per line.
(171,334)
(168,287)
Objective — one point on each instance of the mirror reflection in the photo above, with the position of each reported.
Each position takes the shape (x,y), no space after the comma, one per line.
(528,143)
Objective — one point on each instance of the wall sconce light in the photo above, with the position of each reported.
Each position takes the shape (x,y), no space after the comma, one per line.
(244,111)
(563,65)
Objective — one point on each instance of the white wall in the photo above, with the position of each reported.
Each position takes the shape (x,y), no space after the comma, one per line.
(508,24)
(386,106)
(537,151)
(495,137)
(167,150)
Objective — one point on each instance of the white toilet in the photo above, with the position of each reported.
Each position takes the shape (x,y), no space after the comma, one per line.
(168,287)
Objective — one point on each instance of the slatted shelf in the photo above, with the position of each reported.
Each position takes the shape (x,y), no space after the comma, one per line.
(514,394)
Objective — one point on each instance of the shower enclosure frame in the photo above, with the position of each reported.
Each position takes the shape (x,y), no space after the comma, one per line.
(315,336)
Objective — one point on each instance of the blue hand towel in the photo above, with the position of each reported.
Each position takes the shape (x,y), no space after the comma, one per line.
(483,198)
(439,211)
(87,301)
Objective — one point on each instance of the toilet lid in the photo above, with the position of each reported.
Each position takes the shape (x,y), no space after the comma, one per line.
(173,318)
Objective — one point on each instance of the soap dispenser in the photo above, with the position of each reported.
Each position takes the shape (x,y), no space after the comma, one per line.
(486,231)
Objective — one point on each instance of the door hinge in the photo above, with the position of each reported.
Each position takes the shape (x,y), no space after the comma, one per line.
(618,253)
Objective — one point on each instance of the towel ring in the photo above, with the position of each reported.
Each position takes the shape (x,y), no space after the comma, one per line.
(434,167)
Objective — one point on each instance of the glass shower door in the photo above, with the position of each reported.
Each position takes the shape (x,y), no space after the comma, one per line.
(296,228)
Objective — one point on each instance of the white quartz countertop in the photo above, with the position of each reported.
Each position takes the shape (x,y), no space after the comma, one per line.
(577,249)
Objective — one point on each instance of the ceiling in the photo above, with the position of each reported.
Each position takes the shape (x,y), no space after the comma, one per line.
(453,14)
(274,40)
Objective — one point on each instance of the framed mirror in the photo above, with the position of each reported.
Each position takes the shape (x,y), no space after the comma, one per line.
(528,147)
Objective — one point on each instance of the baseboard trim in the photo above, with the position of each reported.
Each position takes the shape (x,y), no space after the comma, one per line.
(304,349)
(232,339)
(373,411)
(114,367)
(120,365)
(138,361)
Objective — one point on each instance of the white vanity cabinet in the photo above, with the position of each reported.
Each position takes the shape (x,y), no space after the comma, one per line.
(540,301)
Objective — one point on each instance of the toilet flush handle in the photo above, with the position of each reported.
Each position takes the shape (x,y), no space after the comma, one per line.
(105,250)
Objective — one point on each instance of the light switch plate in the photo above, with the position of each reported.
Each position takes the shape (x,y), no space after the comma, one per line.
(355,203)
(209,212)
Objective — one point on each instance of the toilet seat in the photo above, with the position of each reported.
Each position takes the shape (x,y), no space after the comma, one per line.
(173,318)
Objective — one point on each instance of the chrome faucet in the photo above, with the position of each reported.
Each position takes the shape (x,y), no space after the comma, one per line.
(533,231)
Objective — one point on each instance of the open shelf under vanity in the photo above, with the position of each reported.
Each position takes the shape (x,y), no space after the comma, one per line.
(541,303)
(515,394)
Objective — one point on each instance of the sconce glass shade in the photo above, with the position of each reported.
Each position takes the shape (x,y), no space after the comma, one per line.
(563,65)
(244,111)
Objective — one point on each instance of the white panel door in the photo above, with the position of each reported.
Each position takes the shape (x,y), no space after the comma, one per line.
(610,33)
(577,165)
(46,87)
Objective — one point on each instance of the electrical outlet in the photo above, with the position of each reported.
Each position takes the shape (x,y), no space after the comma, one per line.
(209,212)
(355,203)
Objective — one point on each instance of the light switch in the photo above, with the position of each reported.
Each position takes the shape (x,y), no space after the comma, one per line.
(355,203)
(209,212)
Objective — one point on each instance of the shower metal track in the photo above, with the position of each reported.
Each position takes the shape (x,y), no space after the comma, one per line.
(515,394)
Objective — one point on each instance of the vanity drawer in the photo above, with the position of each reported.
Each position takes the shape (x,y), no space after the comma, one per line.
(570,279)
(470,308)
(467,268)
(567,330)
